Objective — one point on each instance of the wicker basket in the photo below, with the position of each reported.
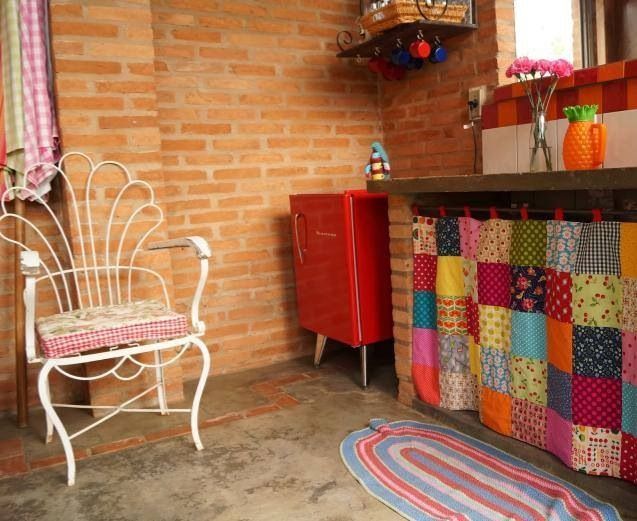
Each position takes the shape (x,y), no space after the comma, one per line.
(406,11)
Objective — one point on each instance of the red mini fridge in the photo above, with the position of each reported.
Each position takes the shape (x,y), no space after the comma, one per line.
(342,269)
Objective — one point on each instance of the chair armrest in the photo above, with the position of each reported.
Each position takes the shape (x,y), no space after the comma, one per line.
(30,268)
(203,253)
(198,243)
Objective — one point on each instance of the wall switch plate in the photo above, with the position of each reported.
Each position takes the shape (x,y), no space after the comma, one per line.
(475,101)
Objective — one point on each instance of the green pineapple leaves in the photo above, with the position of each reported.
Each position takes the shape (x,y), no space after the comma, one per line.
(580,113)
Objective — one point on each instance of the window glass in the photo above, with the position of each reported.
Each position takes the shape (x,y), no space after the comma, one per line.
(544,29)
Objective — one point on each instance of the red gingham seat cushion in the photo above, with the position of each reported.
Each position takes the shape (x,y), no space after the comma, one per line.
(106,326)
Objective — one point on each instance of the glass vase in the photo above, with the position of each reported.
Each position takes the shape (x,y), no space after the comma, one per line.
(540,159)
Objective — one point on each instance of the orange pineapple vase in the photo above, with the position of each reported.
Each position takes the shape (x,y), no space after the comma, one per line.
(584,145)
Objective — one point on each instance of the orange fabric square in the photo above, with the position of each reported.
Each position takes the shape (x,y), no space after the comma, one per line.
(495,410)
(591,95)
(507,113)
(427,383)
(628,249)
(559,344)
(610,71)
(631,88)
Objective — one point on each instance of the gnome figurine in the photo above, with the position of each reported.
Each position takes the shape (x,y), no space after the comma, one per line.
(378,168)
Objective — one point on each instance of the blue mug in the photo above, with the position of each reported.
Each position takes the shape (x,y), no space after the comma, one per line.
(438,53)
(400,56)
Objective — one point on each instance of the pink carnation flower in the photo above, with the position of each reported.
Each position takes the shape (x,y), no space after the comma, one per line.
(523,65)
(561,68)
(544,67)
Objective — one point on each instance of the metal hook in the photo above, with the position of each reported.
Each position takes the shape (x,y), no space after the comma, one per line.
(399,42)
(343,38)
(377,51)
(420,35)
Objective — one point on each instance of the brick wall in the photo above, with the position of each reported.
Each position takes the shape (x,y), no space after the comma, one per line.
(225,108)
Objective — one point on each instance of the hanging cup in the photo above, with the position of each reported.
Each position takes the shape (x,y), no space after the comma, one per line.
(438,52)
(419,49)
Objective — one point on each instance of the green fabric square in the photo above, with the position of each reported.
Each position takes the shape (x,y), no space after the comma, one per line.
(597,300)
(528,379)
(528,243)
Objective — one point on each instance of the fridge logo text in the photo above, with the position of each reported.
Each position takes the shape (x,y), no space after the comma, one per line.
(325,234)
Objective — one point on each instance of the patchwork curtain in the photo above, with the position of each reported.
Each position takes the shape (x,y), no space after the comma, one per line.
(533,324)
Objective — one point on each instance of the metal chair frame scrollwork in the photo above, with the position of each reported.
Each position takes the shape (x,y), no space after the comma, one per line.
(96,280)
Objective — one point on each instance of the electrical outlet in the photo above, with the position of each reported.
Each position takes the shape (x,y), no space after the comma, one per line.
(476,100)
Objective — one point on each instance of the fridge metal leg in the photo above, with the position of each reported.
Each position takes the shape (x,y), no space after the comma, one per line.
(363,355)
(320,347)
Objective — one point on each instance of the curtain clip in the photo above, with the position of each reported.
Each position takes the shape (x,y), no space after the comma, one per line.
(559,214)
(493,213)
(414,210)
(467,212)
(524,213)
(597,215)
(442,211)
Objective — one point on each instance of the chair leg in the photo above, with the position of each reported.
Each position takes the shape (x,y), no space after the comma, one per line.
(318,351)
(45,398)
(49,423)
(161,390)
(194,411)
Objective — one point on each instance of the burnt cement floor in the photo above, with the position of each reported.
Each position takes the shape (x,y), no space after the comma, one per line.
(275,457)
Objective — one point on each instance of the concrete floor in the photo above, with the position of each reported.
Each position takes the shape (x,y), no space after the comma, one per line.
(281,465)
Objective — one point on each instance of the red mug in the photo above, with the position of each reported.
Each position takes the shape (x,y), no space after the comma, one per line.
(375,64)
(419,49)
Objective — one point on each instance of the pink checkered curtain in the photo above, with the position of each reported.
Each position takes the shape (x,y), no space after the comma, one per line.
(40,128)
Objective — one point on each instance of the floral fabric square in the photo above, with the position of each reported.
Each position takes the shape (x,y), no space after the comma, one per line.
(629,408)
(473,320)
(495,327)
(629,305)
(495,369)
(470,273)
(452,315)
(597,300)
(562,242)
(448,237)
(528,243)
(458,391)
(494,244)
(529,379)
(494,284)
(449,277)
(596,450)
(598,249)
(559,437)
(629,357)
(528,335)
(425,347)
(425,272)
(628,249)
(469,235)
(628,465)
(597,352)
(453,352)
(528,289)
(597,402)
(529,422)
(560,393)
(559,344)
(424,235)
(425,309)
(559,297)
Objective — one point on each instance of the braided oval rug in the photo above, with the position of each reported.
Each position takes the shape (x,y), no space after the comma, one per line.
(429,472)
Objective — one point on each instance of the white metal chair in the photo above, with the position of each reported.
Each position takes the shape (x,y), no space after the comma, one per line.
(98,318)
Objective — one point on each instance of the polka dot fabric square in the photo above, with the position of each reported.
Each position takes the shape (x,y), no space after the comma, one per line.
(598,249)
(562,243)
(495,241)
(528,335)
(559,392)
(597,352)
(559,297)
(629,357)
(529,422)
(528,243)
(597,402)
(424,235)
(473,320)
(559,437)
(629,305)
(469,235)
(528,289)
(448,237)
(529,379)
(470,273)
(597,300)
(494,284)
(628,466)
(425,272)
(629,408)
(495,327)
(596,450)
(425,347)
(425,309)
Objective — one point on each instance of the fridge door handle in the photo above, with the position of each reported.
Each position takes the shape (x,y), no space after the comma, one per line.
(297,218)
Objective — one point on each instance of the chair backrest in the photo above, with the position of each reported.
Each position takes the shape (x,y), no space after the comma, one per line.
(89,263)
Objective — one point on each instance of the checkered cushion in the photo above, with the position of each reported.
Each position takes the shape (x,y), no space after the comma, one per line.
(105,326)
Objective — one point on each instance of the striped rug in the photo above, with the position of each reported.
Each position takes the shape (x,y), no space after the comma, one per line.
(428,472)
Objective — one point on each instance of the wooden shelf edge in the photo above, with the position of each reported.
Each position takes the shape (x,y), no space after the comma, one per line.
(602,179)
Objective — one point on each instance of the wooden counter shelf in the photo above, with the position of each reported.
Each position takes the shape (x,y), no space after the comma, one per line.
(601,179)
